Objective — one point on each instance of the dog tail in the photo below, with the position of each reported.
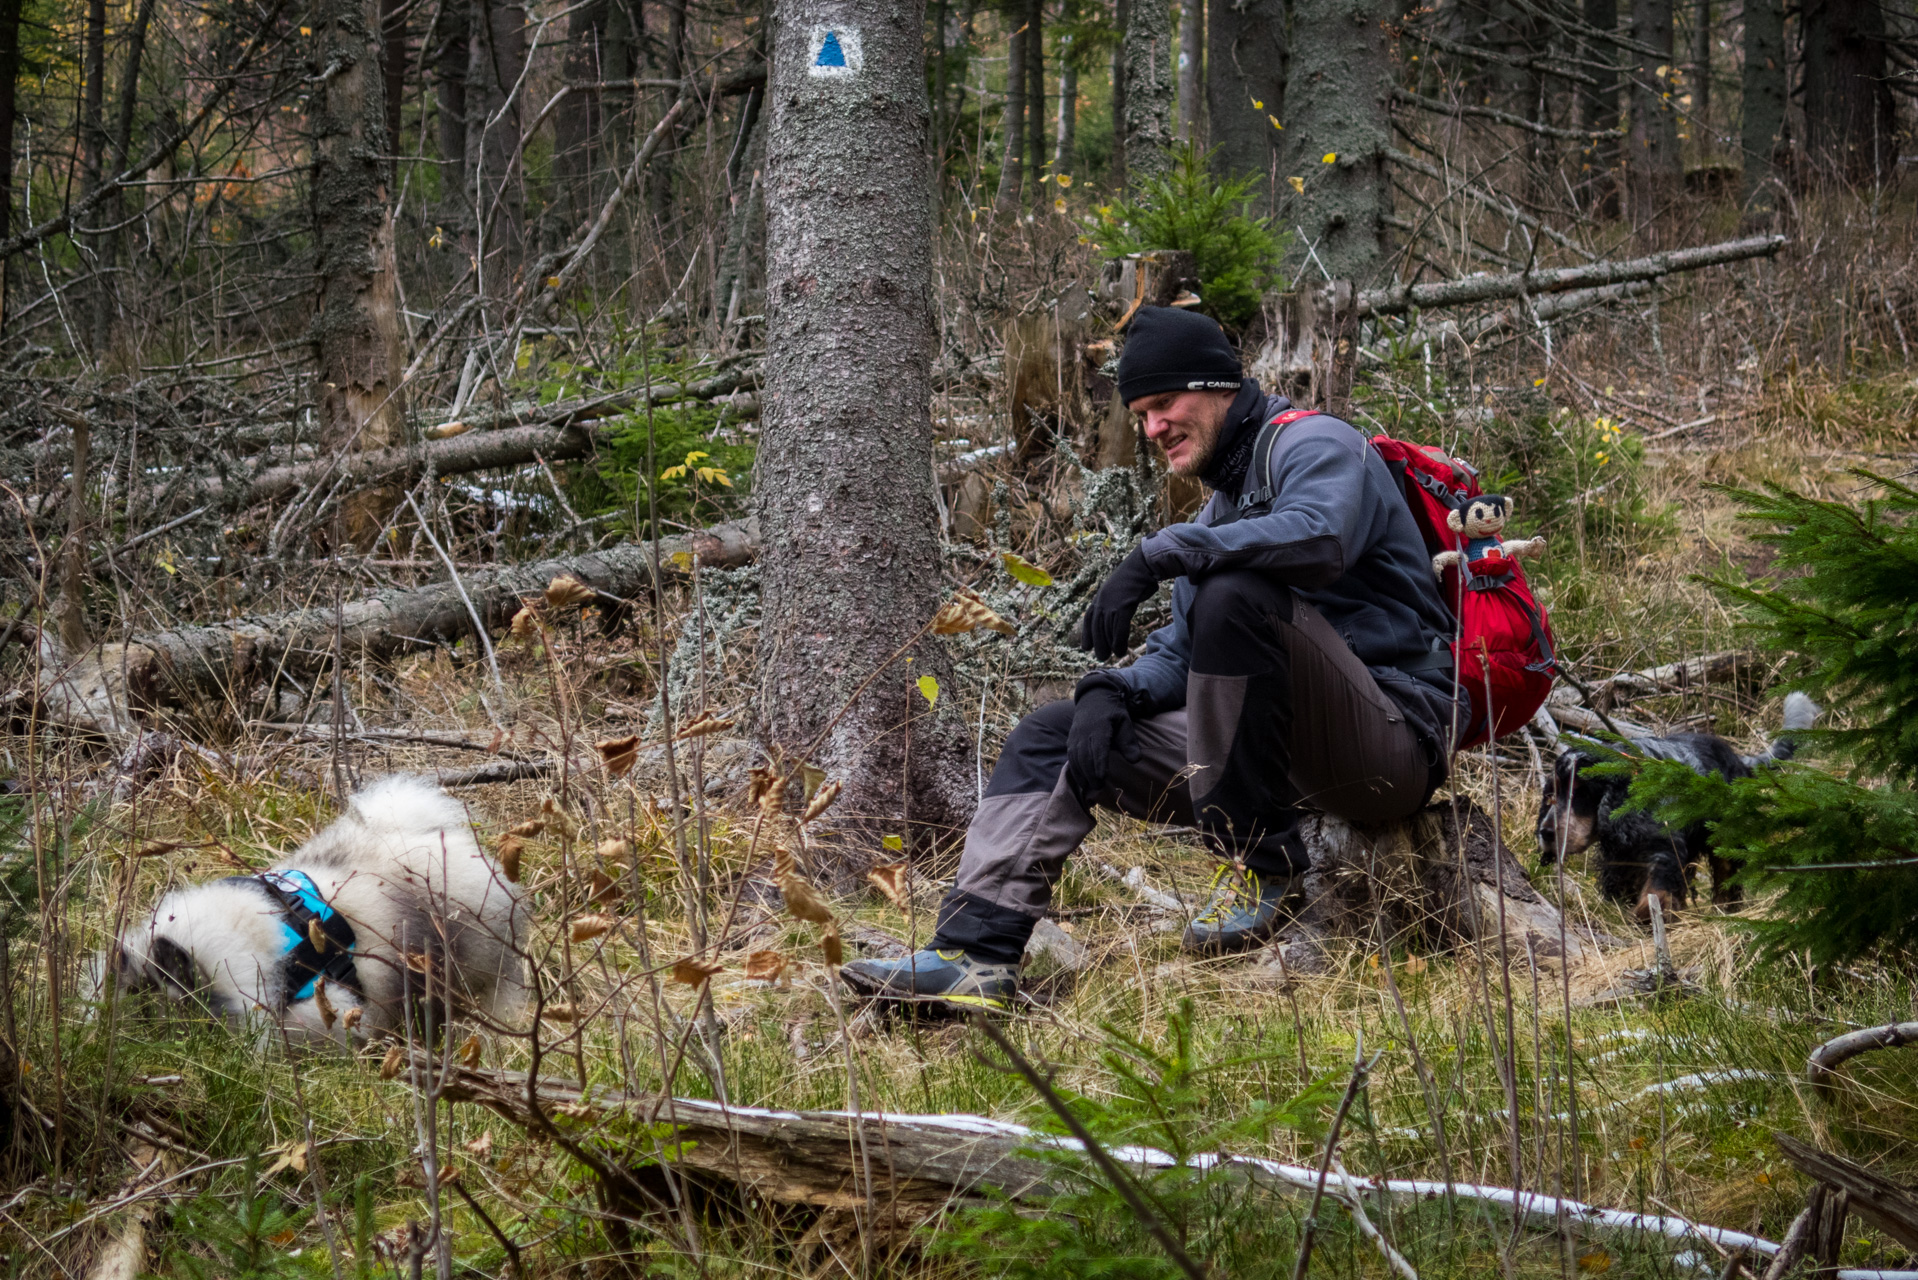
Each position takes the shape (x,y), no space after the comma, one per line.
(1800,713)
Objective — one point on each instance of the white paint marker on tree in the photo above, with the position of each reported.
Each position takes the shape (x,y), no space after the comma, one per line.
(836,52)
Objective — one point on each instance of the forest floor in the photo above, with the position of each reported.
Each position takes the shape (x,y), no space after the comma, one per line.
(1676,1095)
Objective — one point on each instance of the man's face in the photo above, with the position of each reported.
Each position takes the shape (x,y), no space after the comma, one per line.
(1186,424)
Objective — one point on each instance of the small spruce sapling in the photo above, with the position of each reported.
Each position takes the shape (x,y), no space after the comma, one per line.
(1841,848)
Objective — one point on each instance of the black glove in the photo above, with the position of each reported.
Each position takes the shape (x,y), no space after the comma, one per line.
(1108,622)
(1100,722)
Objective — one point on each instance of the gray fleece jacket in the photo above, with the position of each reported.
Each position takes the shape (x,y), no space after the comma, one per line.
(1338,532)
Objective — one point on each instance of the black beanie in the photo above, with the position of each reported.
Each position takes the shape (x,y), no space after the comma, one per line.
(1167,349)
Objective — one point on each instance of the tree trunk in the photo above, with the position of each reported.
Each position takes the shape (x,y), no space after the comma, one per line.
(576,120)
(1245,70)
(1701,78)
(1764,92)
(844,486)
(1598,110)
(1655,166)
(1338,103)
(1117,177)
(1036,86)
(496,54)
(9,85)
(356,325)
(746,179)
(452,55)
(93,145)
(1192,72)
(1849,117)
(1066,133)
(1012,122)
(112,209)
(393,62)
(1149,70)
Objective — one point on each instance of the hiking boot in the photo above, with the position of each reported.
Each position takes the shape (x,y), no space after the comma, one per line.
(1246,909)
(941,977)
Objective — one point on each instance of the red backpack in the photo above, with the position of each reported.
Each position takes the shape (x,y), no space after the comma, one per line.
(1504,646)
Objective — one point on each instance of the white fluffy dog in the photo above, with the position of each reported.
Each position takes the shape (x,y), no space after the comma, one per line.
(394,898)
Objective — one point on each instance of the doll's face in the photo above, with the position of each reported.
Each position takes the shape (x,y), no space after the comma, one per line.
(1481,517)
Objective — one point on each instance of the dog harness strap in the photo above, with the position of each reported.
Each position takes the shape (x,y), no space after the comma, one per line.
(301,907)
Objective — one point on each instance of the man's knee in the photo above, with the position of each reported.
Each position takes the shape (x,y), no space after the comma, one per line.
(1035,751)
(1234,621)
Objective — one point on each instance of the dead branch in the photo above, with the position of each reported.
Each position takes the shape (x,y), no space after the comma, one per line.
(1822,1067)
(1892,1208)
(1439,108)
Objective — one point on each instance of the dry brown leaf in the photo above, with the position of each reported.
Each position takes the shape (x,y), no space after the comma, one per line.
(447,430)
(482,1146)
(965,612)
(835,949)
(470,1051)
(525,624)
(693,972)
(449,1174)
(802,900)
(766,788)
(351,1018)
(328,1014)
(527,829)
(566,592)
(767,966)
(619,755)
(509,851)
(390,1065)
(821,801)
(559,1013)
(418,961)
(316,935)
(890,878)
(604,888)
(558,819)
(586,928)
(615,850)
(704,723)
(577,1110)
(158,847)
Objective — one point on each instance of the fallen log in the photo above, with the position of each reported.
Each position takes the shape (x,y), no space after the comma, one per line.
(1403,297)
(925,1164)
(111,688)
(1822,1067)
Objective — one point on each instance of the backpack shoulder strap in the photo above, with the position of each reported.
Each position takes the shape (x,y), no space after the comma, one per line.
(1261,494)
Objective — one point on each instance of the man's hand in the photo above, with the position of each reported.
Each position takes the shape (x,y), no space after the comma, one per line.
(1100,722)
(1108,621)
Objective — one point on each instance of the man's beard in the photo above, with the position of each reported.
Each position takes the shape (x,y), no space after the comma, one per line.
(1202,452)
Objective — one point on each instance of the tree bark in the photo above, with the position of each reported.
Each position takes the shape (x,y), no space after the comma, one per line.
(1117,174)
(107,248)
(1149,71)
(1066,132)
(1339,102)
(1598,113)
(844,484)
(576,120)
(1849,118)
(356,324)
(1036,86)
(9,86)
(746,179)
(1655,165)
(1245,70)
(1764,93)
(451,57)
(1192,72)
(93,145)
(496,54)
(1701,75)
(1012,129)
(393,64)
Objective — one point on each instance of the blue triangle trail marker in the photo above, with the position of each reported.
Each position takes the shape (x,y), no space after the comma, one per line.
(830,54)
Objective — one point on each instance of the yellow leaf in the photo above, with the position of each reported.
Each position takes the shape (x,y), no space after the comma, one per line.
(1064,179)
(893,842)
(1275,122)
(929,690)
(1024,570)
(1298,185)
(552,282)
(1329,157)
(673,473)
(1257,105)
(695,456)
(306,31)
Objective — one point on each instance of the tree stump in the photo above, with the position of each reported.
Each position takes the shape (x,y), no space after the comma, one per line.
(1442,877)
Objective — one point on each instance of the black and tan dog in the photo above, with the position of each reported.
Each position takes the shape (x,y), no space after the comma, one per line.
(1640,857)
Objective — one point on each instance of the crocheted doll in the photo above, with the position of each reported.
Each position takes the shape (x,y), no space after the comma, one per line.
(1478,520)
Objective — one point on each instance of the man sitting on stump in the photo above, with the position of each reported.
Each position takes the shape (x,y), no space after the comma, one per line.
(1306,667)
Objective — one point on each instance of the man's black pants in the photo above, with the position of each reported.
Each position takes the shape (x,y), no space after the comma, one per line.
(1280,716)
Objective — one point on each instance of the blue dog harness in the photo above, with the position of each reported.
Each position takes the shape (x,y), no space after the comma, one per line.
(301,909)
